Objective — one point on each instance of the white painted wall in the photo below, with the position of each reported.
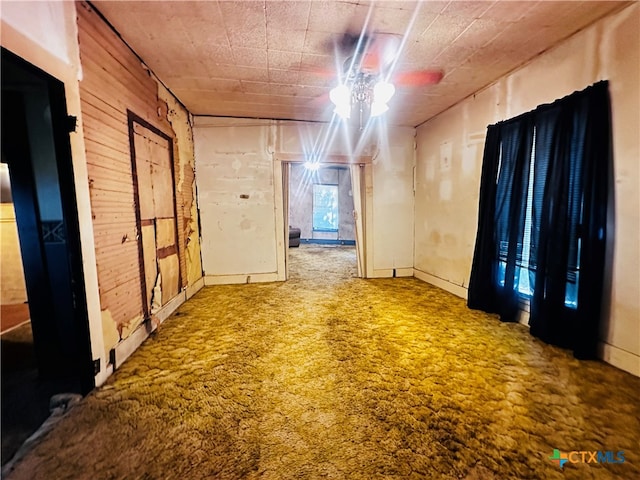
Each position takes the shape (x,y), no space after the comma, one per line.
(449,160)
(48,24)
(238,157)
(235,179)
(393,203)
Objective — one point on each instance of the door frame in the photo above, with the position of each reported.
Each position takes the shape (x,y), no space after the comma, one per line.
(282,163)
(132,119)
(62,126)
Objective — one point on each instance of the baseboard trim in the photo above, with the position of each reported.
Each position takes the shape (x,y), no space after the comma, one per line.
(382,273)
(102,376)
(441,283)
(243,278)
(191,290)
(327,241)
(627,361)
(126,347)
(391,272)
(404,272)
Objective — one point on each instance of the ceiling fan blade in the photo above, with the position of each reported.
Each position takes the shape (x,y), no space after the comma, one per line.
(380,53)
(321,101)
(387,48)
(319,71)
(371,62)
(418,78)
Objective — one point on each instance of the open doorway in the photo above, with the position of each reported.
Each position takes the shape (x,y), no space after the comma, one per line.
(47,350)
(14,308)
(321,216)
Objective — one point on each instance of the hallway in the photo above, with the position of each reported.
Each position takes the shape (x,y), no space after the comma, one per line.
(331,376)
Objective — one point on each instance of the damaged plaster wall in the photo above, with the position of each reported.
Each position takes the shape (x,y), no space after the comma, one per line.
(115,82)
(235,179)
(449,162)
(181,123)
(239,190)
(105,99)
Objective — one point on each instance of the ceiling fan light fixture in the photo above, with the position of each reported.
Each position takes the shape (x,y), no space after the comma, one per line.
(383,91)
(378,108)
(343,111)
(360,92)
(340,95)
(341,98)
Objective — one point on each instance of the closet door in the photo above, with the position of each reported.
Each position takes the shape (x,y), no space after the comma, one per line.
(157,239)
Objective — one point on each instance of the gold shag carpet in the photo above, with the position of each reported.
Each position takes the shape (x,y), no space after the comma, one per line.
(330,376)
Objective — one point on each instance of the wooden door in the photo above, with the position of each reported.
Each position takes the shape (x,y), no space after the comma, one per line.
(156,209)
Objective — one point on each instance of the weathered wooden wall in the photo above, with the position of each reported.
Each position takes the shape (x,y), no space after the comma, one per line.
(114,80)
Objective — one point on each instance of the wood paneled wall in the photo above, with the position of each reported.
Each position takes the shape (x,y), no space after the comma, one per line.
(113,82)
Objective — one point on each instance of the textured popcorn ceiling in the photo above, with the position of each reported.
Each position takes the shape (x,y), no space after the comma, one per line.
(276,59)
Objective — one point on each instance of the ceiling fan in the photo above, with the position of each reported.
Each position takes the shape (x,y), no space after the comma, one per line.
(367,78)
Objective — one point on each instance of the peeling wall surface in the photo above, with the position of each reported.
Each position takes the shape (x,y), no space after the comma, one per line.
(235,159)
(449,162)
(113,82)
(128,209)
(234,174)
(301,199)
(189,233)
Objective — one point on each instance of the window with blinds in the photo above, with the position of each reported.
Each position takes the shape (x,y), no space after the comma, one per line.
(527,248)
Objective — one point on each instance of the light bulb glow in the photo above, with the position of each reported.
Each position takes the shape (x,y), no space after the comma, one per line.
(378,97)
(383,91)
(378,108)
(339,95)
(343,111)
(341,98)
(313,166)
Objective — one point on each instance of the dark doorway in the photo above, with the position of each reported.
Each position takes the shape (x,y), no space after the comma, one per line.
(52,354)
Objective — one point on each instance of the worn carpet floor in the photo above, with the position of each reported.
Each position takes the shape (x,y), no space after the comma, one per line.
(331,376)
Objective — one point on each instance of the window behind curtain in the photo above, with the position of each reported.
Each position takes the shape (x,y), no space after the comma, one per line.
(526,263)
(325,208)
(542,219)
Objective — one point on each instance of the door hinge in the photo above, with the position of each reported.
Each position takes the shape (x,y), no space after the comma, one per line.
(72,123)
(96,366)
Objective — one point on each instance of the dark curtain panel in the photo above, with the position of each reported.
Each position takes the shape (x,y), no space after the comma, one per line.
(482,291)
(568,204)
(573,155)
(510,212)
(501,217)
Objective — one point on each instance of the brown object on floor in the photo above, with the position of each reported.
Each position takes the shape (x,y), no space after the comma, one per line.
(13,315)
(331,376)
